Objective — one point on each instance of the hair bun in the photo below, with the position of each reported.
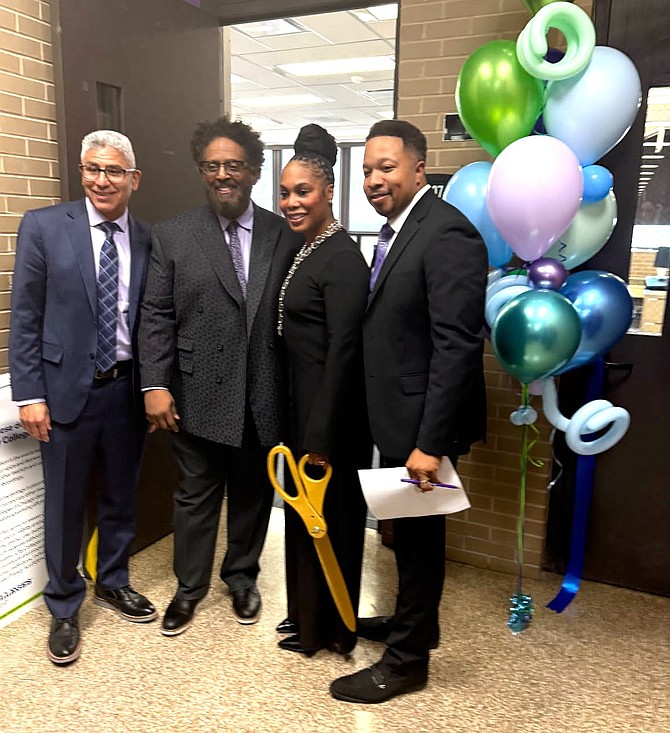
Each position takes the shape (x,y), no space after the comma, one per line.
(315,139)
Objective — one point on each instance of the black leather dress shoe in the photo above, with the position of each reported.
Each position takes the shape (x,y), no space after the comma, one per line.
(128,603)
(292,644)
(178,616)
(247,604)
(286,627)
(376,628)
(375,684)
(64,640)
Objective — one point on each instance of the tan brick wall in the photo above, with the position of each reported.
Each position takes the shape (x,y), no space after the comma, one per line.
(436,37)
(29,176)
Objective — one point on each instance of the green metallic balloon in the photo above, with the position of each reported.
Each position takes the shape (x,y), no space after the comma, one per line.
(497,100)
(535,5)
(535,334)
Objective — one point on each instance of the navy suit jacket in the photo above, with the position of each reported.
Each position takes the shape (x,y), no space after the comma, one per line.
(423,336)
(53,327)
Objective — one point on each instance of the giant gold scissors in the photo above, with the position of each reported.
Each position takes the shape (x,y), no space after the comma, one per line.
(308,502)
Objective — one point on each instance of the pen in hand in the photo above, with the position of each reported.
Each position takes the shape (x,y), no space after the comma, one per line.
(438,485)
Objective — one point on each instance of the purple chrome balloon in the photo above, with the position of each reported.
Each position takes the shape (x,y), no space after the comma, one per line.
(547,274)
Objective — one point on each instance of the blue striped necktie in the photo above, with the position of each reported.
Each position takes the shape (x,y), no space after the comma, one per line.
(108,299)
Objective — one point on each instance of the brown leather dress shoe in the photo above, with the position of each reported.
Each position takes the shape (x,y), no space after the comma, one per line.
(64,645)
(129,604)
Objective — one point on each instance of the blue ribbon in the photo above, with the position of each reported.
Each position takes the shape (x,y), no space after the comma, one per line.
(584,480)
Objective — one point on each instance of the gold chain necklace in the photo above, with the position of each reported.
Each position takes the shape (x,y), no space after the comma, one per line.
(305,251)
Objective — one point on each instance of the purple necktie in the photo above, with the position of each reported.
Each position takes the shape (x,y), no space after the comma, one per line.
(385,236)
(235,247)
(108,299)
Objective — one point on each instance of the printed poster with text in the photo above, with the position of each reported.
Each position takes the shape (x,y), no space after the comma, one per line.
(23,572)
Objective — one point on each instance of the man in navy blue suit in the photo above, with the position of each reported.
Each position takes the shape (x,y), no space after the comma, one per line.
(78,281)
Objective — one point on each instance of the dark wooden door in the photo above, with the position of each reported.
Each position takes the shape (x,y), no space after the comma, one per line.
(629,534)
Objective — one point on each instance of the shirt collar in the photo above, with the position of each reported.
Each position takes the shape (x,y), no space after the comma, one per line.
(95,217)
(396,223)
(245,220)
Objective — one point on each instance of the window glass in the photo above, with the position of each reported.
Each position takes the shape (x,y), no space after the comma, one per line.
(362,217)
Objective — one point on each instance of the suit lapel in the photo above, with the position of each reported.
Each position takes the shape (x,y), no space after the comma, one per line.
(138,256)
(211,239)
(79,231)
(405,235)
(263,243)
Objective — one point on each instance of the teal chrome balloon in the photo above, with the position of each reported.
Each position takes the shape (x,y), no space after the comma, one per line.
(535,334)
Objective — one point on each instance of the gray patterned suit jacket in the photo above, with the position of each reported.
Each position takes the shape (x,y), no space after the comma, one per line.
(199,338)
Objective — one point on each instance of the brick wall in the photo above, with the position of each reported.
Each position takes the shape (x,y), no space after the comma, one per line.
(436,36)
(29,176)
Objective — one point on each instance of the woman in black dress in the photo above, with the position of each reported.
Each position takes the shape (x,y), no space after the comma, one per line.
(321,309)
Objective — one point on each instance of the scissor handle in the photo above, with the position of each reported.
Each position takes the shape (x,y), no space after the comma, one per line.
(310,493)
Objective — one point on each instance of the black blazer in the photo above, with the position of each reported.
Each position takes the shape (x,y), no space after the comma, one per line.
(424,336)
(53,331)
(324,307)
(198,337)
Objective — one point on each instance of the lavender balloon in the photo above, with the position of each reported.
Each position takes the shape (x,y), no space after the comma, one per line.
(547,274)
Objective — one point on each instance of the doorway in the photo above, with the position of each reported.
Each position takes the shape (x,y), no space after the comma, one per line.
(628,540)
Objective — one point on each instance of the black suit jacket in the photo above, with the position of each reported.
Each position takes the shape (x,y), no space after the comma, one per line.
(424,335)
(324,307)
(53,332)
(200,339)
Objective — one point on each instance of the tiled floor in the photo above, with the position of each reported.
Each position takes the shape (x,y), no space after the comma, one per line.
(602,666)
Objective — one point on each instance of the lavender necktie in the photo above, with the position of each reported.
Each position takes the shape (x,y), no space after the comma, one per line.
(385,236)
(235,247)
(108,299)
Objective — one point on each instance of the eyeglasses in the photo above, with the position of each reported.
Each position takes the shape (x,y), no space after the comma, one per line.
(232,167)
(114,173)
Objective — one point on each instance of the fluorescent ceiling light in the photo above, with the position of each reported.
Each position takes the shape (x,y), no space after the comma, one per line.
(648,165)
(266,28)
(653,157)
(384,12)
(385,115)
(339,66)
(235,79)
(283,100)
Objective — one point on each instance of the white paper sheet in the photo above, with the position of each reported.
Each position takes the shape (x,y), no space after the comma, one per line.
(388,497)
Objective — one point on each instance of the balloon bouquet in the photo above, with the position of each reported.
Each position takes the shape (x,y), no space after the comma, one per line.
(546,117)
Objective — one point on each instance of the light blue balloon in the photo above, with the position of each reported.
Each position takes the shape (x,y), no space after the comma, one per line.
(495,303)
(598,182)
(505,282)
(605,310)
(593,110)
(466,190)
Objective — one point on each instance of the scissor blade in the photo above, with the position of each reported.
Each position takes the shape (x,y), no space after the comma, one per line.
(338,588)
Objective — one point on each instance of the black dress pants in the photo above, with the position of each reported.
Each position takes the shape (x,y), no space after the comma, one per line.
(208,471)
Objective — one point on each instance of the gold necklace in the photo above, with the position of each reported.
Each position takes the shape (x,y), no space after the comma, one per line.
(305,251)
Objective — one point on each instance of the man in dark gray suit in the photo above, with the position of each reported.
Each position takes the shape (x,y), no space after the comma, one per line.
(211,367)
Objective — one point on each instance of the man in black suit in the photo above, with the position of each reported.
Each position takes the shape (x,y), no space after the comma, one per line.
(78,280)
(211,366)
(423,342)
